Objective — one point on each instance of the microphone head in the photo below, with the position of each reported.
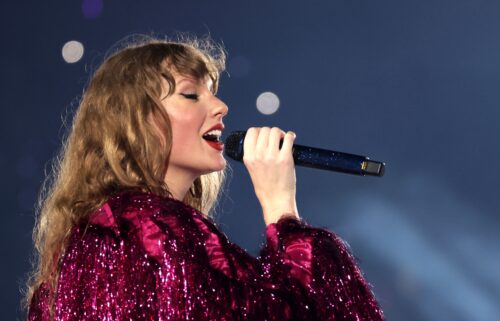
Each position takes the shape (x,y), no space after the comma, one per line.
(233,146)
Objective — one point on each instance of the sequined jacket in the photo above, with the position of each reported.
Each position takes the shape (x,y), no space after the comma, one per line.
(144,257)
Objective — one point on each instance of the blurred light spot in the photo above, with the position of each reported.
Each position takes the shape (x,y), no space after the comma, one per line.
(268,103)
(26,167)
(91,9)
(238,67)
(72,51)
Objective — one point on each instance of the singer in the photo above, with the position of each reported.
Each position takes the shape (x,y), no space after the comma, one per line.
(124,230)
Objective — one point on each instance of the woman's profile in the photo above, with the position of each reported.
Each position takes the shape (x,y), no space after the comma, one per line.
(124,230)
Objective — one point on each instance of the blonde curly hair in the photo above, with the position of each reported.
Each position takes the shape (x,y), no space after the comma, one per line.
(112,144)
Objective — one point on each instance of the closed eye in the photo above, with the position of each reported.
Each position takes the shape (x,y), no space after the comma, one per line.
(190,96)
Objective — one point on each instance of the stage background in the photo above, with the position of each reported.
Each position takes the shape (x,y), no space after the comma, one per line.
(412,83)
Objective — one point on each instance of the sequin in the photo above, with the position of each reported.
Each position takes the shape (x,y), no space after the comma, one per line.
(144,257)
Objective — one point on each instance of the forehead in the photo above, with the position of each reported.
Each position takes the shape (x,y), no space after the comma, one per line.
(207,81)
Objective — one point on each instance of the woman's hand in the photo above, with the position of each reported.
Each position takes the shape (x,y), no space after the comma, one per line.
(272,171)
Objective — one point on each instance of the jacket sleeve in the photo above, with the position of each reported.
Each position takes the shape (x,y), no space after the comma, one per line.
(323,265)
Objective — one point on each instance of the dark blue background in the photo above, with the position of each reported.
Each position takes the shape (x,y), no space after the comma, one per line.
(411,83)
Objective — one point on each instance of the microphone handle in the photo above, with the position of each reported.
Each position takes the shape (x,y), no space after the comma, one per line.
(336,161)
(314,157)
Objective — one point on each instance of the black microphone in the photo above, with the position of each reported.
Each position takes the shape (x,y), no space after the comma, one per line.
(313,157)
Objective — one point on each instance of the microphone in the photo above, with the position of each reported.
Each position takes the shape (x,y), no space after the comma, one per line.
(313,157)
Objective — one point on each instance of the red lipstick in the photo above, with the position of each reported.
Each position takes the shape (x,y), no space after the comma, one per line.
(216,126)
(217,145)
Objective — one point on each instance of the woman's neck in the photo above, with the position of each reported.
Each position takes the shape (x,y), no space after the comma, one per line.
(178,183)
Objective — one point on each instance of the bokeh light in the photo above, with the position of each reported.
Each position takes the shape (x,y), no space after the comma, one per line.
(92,9)
(268,103)
(72,51)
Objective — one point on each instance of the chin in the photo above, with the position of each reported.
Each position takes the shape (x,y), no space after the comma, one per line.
(217,168)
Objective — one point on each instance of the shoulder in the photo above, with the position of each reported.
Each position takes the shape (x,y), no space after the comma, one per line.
(132,207)
(133,222)
(133,215)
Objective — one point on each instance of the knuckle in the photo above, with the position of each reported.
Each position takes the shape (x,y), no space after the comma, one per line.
(257,157)
(268,158)
(286,159)
(248,161)
(282,160)
(265,158)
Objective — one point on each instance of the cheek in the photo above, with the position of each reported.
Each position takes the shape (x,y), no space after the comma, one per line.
(184,128)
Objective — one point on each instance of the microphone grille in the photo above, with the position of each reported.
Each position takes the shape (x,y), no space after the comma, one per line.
(233,146)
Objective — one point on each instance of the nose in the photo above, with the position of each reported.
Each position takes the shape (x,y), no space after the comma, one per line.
(219,108)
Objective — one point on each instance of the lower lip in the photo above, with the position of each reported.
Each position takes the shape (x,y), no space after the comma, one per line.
(216,145)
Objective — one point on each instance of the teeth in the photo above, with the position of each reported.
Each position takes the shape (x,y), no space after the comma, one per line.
(215,132)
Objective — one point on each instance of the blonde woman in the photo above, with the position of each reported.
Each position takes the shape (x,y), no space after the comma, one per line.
(123,231)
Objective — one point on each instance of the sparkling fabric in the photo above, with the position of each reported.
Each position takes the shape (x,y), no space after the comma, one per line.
(144,257)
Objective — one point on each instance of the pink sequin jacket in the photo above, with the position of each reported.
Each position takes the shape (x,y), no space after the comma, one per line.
(144,257)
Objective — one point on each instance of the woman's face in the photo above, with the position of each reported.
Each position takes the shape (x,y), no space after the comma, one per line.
(193,110)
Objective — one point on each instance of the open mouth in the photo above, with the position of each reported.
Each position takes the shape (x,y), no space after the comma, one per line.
(213,136)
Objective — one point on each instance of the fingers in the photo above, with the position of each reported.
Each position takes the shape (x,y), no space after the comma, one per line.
(275,136)
(287,146)
(250,141)
(265,140)
(262,140)
(272,170)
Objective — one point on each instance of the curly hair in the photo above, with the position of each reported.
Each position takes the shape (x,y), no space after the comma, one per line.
(113,145)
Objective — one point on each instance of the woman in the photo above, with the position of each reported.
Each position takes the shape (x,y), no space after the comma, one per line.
(121,233)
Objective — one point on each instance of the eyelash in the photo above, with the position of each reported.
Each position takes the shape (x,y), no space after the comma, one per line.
(190,96)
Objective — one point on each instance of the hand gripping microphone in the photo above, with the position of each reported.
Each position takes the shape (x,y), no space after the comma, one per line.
(314,157)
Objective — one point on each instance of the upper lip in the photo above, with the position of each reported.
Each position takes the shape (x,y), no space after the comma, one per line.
(216,126)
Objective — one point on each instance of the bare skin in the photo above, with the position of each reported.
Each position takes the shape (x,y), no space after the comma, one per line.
(272,171)
(192,110)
